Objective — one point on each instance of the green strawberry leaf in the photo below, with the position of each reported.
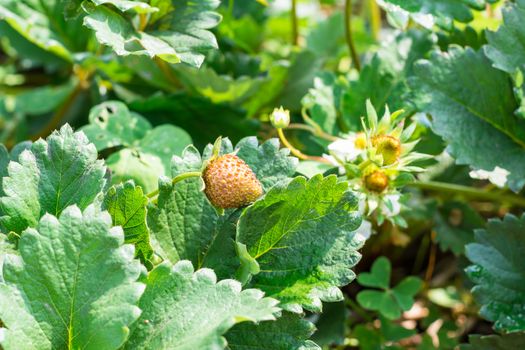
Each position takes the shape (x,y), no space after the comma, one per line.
(4,161)
(270,163)
(86,279)
(131,164)
(183,223)
(175,293)
(379,275)
(147,150)
(475,116)
(219,88)
(53,174)
(455,223)
(498,271)
(43,24)
(506,48)
(495,342)
(301,237)
(428,12)
(383,80)
(288,332)
(111,124)
(178,32)
(126,203)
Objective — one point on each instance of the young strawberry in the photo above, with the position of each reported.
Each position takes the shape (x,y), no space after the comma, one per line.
(230,183)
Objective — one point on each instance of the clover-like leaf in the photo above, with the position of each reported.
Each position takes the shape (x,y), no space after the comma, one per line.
(288,332)
(178,32)
(301,238)
(51,175)
(183,309)
(73,286)
(379,275)
(498,271)
(389,302)
(474,116)
(126,203)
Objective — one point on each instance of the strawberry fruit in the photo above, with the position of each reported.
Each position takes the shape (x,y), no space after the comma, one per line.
(230,182)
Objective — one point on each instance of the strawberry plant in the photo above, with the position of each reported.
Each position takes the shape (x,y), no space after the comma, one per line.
(281,174)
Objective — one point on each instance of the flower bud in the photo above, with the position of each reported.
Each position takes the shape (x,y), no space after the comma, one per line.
(280,118)
(376,181)
(388,146)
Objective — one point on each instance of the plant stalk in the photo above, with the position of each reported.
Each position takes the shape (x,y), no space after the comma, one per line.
(470,192)
(295,23)
(348,35)
(296,152)
(176,179)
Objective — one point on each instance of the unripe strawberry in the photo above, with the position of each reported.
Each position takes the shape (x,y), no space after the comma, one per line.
(388,146)
(230,183)
(376,181)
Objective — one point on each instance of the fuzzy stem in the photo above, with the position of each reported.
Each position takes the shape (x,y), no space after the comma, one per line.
(470,192)
(295,23)
(348,35)
(176,179)
(296,152)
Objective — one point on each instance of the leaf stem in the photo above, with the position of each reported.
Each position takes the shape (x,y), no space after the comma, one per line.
(296,152)
(295,23)
(348,35)
(176,179)
(470,192)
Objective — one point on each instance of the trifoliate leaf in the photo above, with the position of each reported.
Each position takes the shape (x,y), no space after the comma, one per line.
(499,272)
(53,174)
(495,342)
(288,332)
(73,285)
(126,203)
(187,310)
(476,115)
(301,237)
(126,5)
(389,302)
(179,32)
